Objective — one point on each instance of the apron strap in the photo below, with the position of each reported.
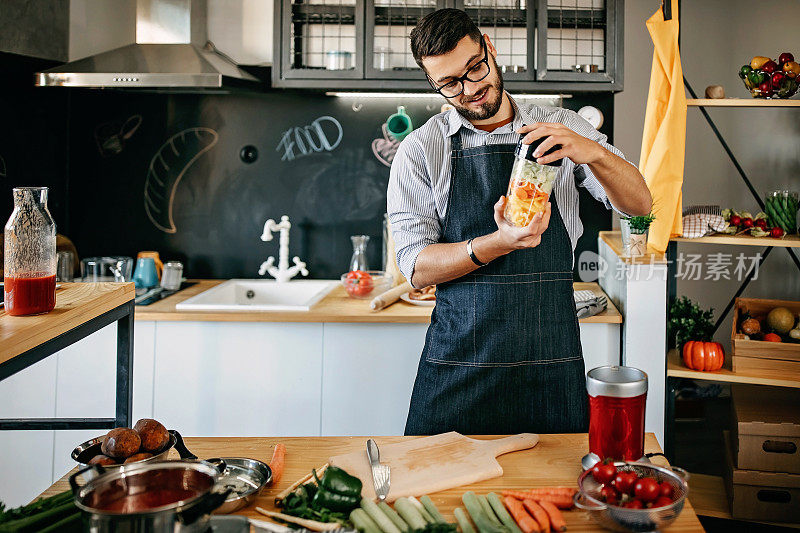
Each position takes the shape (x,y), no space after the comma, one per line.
(455,141)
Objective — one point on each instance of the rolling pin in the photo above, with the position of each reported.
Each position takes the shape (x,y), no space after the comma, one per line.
(389,297)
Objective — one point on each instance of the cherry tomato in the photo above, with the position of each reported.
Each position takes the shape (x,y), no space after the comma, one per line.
(359,283)
(604,472)
(646,489)
(747,222)
(735,220)
(664,490)
(761,223)
(785,57)
(609,495)
(662,501)
(633,504)
(776,232)
(624,482)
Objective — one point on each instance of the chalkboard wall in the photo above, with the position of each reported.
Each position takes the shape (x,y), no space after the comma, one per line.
(167,172)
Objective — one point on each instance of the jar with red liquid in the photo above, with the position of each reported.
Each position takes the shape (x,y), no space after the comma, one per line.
(617,397)
(29,270)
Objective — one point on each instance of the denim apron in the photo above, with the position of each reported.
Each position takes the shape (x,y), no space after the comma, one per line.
(502,354)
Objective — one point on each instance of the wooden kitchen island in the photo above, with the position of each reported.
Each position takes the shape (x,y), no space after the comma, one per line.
(554,461)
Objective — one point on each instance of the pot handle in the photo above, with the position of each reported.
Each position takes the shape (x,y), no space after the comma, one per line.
(180,447)
(218,463)
(578,500)
(205,506)
(73,479)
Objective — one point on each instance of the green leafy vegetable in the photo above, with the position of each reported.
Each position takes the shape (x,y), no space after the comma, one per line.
(298,503)
(640,224)
(687,321)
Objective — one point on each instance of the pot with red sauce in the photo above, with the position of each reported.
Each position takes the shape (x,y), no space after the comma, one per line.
(169,496)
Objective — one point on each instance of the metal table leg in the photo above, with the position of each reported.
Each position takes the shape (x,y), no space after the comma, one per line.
(124,399)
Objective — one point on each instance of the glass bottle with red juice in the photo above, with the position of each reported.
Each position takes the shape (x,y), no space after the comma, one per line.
(29,266)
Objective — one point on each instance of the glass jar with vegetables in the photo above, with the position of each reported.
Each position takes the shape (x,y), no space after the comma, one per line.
(530,184)
(781,209)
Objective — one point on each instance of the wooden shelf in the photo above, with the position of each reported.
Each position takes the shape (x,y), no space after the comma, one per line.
(741,102)
(788,241)
(777,378)
(708,497)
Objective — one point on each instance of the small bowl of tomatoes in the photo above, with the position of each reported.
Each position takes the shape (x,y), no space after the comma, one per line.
(632,496)
(364,284)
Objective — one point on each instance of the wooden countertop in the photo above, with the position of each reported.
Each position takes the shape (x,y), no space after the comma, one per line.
(614,240)
(76,303)
(554,461)
(335,307)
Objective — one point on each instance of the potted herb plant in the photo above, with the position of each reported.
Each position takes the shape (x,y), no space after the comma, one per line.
(634,234)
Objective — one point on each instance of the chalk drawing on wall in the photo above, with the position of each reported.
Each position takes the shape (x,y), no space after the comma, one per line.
(2,167)
(323,134)
(167,168)
(111,136)
(386,148)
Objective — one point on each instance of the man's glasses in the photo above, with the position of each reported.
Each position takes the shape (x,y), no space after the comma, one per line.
(476,73)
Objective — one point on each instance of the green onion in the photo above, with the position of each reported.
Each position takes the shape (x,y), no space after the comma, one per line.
(431,508)
(393,516)
(463,521)
(363,522)
(378,517)
(421,509)
(479,516)
(409,513)
(502,513)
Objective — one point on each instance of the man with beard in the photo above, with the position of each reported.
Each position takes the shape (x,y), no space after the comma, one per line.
(502,354)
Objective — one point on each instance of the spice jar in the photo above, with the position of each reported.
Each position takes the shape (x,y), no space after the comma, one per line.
(530,184)
(29,284)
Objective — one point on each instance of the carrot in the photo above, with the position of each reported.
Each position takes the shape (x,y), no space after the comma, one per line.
(539,514)
(278,462)
(562,502)
(532,494)
(556,518)
(525,521)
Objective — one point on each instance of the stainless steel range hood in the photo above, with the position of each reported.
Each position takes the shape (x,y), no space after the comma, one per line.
(171,51)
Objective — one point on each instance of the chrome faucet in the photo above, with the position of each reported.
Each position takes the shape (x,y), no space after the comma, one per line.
(283,272)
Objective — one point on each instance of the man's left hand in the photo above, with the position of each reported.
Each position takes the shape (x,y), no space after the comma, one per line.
(574,146)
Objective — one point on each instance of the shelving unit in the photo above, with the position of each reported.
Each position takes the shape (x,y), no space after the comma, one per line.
(788,241)
(741,102)
(676,369)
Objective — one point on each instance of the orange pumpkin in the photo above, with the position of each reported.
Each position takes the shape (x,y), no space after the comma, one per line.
(703,356)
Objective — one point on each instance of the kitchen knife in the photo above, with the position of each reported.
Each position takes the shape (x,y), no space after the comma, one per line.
(380,473)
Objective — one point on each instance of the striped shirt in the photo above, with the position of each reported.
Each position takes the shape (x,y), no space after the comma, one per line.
(419,181)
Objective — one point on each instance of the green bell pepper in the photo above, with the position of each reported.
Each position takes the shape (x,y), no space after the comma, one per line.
(756,77)
(336,490)
(745,71)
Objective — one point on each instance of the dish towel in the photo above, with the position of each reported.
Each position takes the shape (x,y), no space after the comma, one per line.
(587,303)
(664,135)
(702,220)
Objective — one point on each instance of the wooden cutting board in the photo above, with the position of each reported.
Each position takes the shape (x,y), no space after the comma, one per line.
(430,464)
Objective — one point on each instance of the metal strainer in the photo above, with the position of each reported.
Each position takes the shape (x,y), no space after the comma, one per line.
(638,520)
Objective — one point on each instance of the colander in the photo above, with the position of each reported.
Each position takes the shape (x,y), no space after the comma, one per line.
(637,520)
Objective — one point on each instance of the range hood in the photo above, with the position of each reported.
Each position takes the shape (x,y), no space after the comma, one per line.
(171,52)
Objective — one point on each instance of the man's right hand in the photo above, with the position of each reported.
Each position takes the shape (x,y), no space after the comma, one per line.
(514,237)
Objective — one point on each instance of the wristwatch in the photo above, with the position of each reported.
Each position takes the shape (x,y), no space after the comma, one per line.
(472,255)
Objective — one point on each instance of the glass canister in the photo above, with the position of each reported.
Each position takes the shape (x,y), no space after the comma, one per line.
(530,184)
(781,208)
(29,270)
(617,398)
(358,261)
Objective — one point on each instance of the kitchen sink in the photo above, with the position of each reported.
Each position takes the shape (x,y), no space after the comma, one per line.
(259,295)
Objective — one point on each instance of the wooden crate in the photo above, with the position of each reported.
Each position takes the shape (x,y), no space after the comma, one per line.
(782,352)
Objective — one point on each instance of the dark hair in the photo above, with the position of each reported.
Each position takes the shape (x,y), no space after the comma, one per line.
(439,32)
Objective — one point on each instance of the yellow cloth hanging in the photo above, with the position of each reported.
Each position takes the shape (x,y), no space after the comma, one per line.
(664,135)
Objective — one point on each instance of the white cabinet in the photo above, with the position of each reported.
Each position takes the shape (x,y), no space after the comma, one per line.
(368,373)
(26,457)
(238,379)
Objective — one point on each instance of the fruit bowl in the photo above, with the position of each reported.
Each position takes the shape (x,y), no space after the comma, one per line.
(362,285)
(618,518)
(769,78)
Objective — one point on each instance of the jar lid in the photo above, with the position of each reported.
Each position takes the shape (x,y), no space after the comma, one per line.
(616,381)
(525,151)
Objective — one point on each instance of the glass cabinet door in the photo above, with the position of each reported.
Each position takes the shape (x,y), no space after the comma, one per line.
(511,27)
(322,39)
(388,47)
(578,40)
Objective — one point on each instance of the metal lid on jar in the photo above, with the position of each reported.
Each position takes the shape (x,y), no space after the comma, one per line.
(616,381)
(525,151)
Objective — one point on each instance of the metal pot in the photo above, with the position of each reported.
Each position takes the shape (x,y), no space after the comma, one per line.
(85,451)
(167,496)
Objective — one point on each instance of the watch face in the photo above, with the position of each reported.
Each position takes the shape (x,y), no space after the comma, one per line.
(592,115)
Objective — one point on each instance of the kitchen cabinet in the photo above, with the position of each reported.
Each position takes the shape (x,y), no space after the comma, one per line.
(363,44)
(368,373)
(226,379)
